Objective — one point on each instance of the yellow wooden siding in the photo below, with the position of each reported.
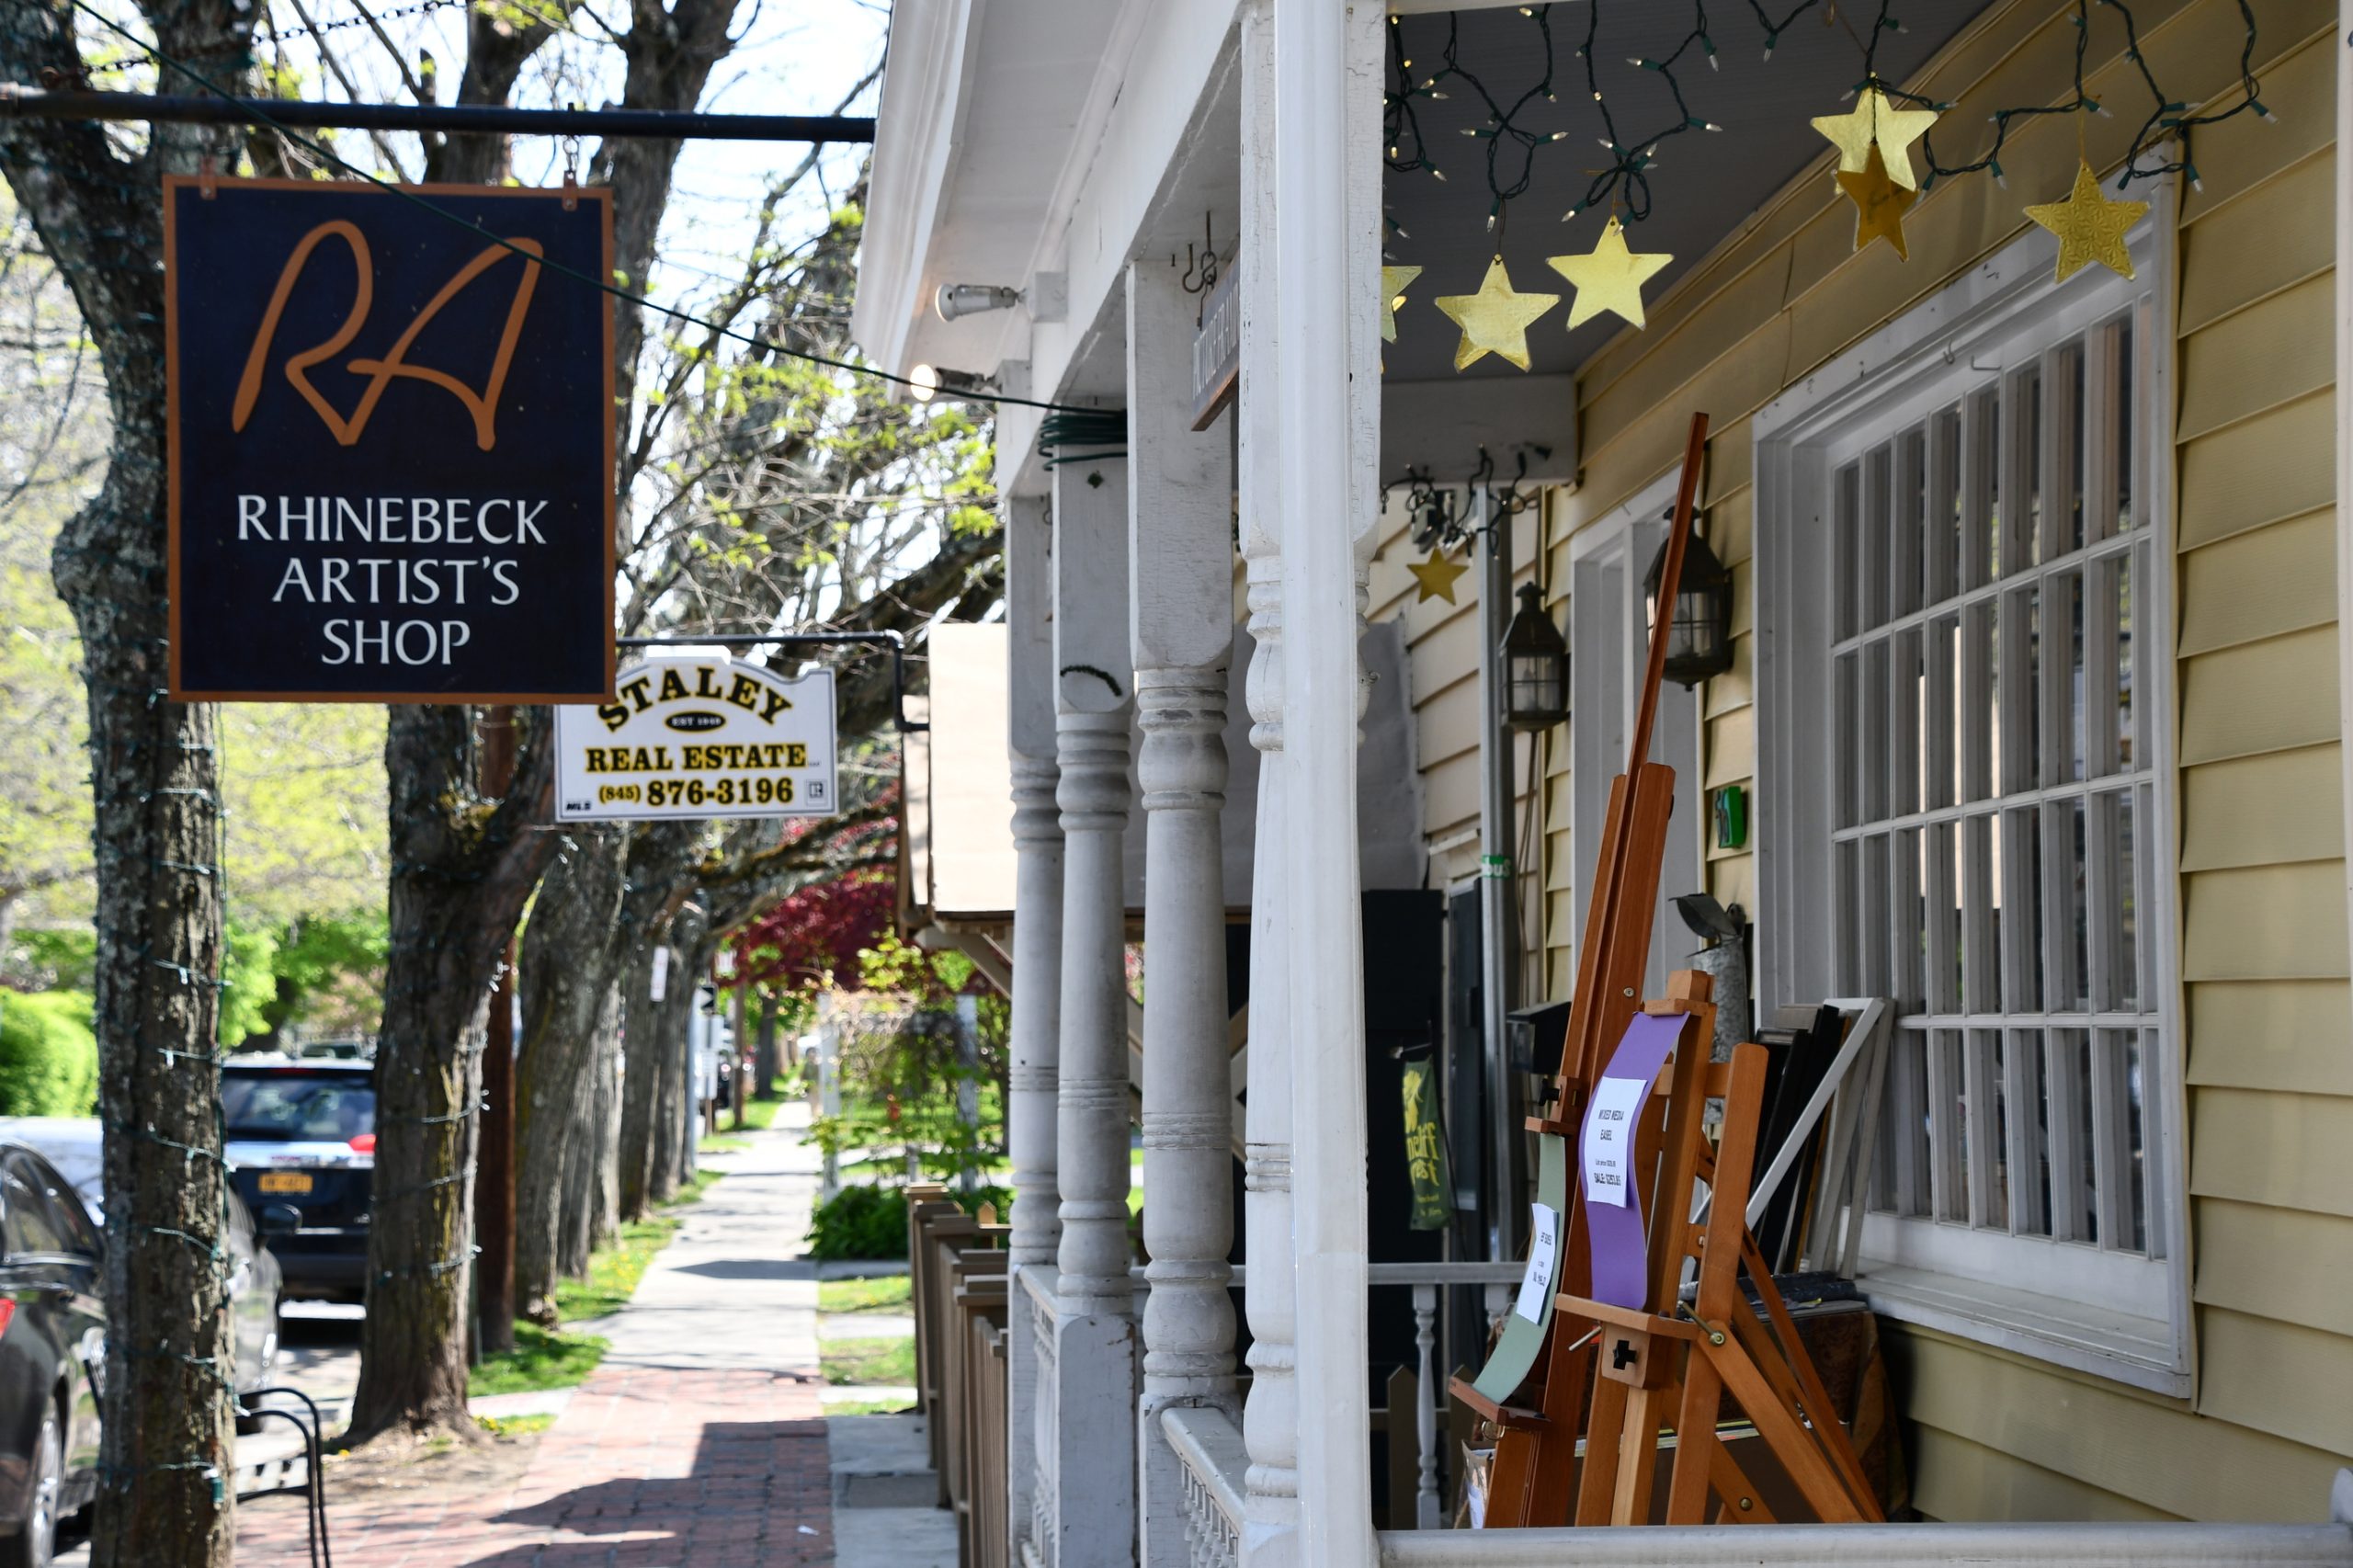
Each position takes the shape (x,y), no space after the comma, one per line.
(2280,464)
(2236,1243)
(2140,1448)
(2269,1014)
(2265,922)
(1954,1478)
(2270,353)
(2294,1036)
(2273,1377)
(2222,273)
(2276,808)
(2269,696)
(2288,1151)
(2259,583)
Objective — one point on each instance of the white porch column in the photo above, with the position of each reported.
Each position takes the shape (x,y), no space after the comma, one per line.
(1094,1332)
(1036,1045)
(1180,614)
(1327,253)
(1270,1416)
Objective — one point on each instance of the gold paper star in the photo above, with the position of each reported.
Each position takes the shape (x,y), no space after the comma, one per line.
(1436,577)
(1393,294)
(1877,119)
(1496,319)
(1879,205)
(2089,226)
(1607,278)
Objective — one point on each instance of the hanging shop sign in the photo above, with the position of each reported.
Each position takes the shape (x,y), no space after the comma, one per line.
(698,736)
(391,442)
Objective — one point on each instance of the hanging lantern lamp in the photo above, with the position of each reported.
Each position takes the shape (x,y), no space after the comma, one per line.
(1698,642)
(1536,665)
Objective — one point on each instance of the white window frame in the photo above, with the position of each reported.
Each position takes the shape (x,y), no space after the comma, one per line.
(1956,1283)
(1598,754)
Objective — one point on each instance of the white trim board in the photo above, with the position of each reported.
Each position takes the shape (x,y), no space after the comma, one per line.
(2343,174)
(1910,362)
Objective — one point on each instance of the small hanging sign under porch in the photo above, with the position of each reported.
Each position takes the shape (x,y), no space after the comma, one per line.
(694,734)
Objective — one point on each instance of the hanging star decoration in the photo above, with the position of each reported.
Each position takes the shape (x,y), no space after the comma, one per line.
(1494,319)
(1877,122)
(1608,277)
(1879,205)
(2089,226)
(1436,577)
(1393,294)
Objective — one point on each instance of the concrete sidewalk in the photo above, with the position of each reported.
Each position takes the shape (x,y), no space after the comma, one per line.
(699,1442)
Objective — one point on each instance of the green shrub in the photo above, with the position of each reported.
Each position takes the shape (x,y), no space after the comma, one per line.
(48,1054)
(871,1221)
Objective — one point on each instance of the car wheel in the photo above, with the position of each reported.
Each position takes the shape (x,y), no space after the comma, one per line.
(36,1543)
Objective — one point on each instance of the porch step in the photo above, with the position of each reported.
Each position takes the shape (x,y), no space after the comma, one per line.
(883,1462)
(886,1512)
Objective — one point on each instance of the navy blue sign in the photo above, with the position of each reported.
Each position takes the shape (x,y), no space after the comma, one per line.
(392,443)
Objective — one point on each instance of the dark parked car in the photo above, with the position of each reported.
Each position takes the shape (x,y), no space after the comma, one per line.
(301,1149)
(52,1351)
(74,1148)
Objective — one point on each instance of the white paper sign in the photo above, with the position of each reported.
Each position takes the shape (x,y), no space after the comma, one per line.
(1543,1242)
(661,985)
(698,736)
(1608,1141)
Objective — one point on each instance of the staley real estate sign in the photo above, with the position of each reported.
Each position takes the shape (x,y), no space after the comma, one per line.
(391,442)
(694,734)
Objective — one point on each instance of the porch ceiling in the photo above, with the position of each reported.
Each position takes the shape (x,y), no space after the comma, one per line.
(1703,187)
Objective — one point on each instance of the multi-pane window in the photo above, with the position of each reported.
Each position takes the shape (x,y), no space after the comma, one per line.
(1993,815)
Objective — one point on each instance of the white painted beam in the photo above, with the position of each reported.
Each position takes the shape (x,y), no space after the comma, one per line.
(1181,608)
(1327,114)
(1092,1435)
(1036,1021)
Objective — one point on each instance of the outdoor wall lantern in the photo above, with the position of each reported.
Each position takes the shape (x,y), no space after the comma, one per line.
(1698,642)
(1536,665)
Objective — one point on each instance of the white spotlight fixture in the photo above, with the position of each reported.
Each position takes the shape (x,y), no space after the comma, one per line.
(956,300)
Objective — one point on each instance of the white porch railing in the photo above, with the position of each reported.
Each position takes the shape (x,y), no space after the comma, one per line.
(1037,1541)
(1210,1447)
(1896,1545)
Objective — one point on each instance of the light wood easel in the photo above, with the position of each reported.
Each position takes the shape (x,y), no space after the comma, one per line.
(1661,1368)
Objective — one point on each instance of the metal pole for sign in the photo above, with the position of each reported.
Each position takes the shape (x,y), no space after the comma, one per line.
(896,641)
(666,125)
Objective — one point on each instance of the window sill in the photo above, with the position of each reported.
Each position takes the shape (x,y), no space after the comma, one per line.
(2127,1349)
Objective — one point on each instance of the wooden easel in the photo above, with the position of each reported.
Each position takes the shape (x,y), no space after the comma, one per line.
(1657,1371)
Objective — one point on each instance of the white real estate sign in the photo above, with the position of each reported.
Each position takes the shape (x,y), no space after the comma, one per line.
(698,735)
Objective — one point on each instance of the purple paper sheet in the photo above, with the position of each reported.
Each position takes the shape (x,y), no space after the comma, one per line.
(1614,1231)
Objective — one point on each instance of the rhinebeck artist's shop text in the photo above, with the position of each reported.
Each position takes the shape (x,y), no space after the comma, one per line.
(396,609)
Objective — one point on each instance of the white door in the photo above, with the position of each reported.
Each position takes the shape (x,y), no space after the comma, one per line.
(1608,641)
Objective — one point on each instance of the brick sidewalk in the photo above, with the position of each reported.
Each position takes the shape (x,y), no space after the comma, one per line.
(652,1466)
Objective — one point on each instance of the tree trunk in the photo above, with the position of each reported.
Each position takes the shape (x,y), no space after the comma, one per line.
(575,1234)
(675,1122)
(764,1064)
(165,1444)
(564,980)
(641,1085)
(462,870)
(604,1125)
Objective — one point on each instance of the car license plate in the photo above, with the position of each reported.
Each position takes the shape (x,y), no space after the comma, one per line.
(285,1181)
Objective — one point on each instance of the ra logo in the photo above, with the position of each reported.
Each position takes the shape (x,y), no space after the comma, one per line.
(481,404)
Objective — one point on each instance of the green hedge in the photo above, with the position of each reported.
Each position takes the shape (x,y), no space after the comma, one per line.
(871,1221)
(49,1055)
